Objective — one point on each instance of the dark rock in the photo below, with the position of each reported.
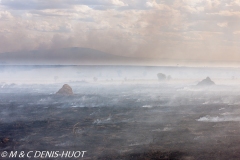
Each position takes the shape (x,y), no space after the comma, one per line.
(206,82)
(161,76)
(65,90)
(169,78)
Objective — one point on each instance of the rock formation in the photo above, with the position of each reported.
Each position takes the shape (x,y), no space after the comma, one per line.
(161,76)
(206,82)
(169,78)
(65,90)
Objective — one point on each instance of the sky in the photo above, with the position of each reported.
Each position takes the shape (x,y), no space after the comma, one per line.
(177,31)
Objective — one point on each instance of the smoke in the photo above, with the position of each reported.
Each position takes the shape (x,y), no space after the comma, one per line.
(218,119)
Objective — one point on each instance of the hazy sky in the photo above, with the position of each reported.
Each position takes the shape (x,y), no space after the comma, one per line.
(204,31)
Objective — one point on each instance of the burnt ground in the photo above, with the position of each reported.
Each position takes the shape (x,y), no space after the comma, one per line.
(122,122)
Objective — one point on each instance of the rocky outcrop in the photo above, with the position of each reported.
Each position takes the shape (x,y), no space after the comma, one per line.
(65,90)
(161,76)
(206,82)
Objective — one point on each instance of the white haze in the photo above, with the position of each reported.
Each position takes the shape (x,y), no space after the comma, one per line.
(116,74)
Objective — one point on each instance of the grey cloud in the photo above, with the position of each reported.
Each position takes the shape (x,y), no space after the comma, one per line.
(51,4)
(32,4)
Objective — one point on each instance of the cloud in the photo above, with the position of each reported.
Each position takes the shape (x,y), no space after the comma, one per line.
(45,26)
(118,3)
(226,13)
(234,3)
(5,15)
(193,10)
(236,32)
(56,4)
(32,4)
(202,30)
(224,24)
(149,4)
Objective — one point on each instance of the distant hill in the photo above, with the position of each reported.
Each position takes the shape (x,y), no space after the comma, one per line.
(73,55)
